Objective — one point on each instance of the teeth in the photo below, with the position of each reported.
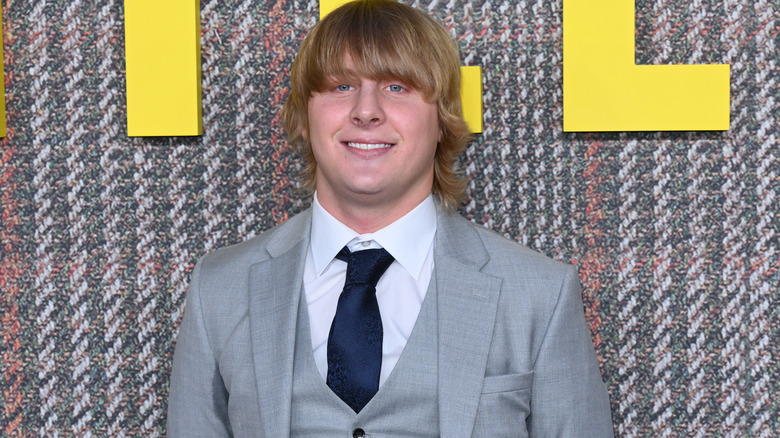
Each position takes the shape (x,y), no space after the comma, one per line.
(368,146)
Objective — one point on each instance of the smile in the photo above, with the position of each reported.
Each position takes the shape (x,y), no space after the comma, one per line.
(368,146)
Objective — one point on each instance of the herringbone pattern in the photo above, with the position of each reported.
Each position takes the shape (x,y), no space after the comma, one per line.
(675,233)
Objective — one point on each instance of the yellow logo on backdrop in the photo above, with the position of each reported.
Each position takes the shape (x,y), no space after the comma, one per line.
(604,90)
(162,60)
(2,82)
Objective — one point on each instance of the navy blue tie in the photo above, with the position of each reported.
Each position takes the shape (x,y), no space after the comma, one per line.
(355,340)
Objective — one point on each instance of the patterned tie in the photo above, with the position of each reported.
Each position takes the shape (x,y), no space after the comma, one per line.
(355,340)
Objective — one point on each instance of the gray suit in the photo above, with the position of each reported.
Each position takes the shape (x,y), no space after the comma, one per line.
(514,348)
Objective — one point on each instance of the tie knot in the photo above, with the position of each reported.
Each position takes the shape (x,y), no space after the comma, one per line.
(366,266)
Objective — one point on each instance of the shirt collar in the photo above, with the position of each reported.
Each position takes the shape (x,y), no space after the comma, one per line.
(408,239)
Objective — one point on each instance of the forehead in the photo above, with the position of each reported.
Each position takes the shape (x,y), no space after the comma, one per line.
(345,68)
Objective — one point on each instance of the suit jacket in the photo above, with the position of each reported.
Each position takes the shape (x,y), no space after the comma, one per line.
(515,354)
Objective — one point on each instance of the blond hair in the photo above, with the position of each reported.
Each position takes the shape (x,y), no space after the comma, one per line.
(385,40)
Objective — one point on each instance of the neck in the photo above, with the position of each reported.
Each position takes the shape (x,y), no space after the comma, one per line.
(368,218)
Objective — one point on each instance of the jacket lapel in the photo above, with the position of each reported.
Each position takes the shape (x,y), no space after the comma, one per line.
(275,286)
(467,310)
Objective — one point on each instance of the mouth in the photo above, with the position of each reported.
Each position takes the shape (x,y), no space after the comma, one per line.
(368,146)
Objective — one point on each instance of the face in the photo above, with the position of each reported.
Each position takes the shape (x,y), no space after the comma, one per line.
(374,142)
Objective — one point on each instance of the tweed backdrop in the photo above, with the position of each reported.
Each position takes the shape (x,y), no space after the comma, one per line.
(675,234)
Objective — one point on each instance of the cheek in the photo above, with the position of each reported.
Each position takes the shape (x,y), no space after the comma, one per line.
(430,128)
(324,120)
(316,114)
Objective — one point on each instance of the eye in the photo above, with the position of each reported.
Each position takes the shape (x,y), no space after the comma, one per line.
(395,88)
(343,87)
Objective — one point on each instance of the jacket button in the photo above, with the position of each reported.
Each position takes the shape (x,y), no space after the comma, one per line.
(358,433)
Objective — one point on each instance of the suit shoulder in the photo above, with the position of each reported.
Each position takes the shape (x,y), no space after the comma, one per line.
(221,278)
(256,249)
(510,254)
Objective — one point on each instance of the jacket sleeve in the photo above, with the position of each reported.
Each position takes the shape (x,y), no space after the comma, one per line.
(568,397)
(198,401)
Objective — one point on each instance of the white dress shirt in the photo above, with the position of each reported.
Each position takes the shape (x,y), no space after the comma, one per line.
(400,291)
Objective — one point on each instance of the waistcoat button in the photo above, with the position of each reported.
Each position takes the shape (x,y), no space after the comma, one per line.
(358,433)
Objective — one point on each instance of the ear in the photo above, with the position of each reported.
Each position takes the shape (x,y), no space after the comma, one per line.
(439,121)
(303,127)
(303,122)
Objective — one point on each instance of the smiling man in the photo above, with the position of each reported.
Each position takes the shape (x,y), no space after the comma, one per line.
(379,311)
(374,141)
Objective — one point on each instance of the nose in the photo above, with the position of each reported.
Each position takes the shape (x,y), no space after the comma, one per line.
(368,110)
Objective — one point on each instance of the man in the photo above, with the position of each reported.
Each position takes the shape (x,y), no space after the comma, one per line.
(460,332)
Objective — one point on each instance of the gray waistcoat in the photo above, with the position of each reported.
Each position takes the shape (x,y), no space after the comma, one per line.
(405,406)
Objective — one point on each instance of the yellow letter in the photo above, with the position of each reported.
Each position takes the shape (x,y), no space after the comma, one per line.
(471,96)
(604,90)
(327,6)
(2,82)
(470,84)
(162,56)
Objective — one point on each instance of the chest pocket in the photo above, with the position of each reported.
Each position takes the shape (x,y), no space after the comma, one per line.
(504,405)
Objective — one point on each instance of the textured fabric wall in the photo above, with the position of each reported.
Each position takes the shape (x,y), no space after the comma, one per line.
(675,233)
